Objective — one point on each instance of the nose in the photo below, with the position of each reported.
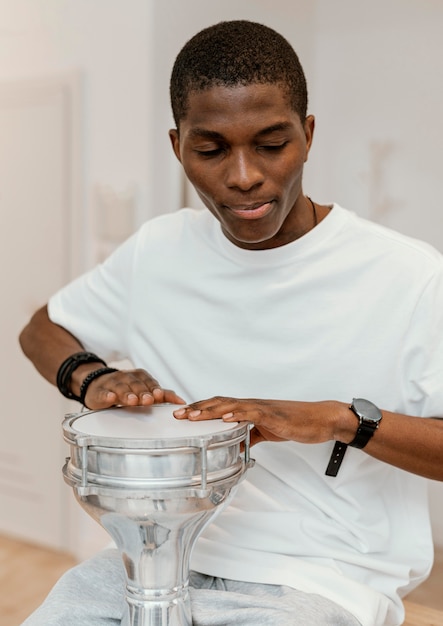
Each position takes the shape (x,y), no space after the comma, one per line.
(243,171)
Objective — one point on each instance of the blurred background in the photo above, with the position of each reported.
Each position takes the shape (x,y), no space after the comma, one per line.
(85,159)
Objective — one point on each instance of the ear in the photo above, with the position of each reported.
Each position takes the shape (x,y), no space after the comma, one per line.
(175,141)
(309,127)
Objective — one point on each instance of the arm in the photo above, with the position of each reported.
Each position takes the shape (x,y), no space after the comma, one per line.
(47,345)
(413,444)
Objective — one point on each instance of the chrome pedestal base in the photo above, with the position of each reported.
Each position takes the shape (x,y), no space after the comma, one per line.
(155,537)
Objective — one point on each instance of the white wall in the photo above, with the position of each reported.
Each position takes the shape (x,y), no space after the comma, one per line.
(377,94)
(107,43)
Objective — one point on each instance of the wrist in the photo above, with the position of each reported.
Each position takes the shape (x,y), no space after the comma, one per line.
(366,417)
(67,369)
(346,425)
(80,374)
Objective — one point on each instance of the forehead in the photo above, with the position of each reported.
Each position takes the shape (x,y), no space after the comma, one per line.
(222,107)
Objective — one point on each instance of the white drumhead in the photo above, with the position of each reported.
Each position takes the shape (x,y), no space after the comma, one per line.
(148,422)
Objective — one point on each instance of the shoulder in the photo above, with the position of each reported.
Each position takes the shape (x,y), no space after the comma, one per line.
(173,238)
(374,239)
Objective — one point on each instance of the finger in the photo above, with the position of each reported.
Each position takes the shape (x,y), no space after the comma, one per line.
(130,393)
(259,432)
(213,408)
(256,437)
(141,387)
(103,395)
(237,416)
(124,387)
(171,396)
(102,399)
(149,390)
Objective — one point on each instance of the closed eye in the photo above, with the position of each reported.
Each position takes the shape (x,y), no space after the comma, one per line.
(273,147)
(210,153)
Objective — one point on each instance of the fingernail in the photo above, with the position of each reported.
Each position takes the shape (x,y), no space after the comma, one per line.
(228,416)
(194,413)
(179,412)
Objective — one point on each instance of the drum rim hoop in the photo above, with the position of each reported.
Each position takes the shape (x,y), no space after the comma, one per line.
(82,438)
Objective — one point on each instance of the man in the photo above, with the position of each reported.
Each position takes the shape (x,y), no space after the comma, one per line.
(273,309)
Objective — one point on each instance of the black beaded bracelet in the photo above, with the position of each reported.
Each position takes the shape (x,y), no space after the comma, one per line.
(68,367)
(92,376)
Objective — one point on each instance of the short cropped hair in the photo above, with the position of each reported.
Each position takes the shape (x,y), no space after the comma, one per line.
(234,53)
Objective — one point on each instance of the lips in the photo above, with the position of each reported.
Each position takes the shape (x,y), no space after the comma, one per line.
(252,211)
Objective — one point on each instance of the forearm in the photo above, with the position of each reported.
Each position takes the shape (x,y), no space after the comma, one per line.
(47,345)
(413,444)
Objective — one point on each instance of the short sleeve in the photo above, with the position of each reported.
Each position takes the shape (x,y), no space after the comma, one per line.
(95,307)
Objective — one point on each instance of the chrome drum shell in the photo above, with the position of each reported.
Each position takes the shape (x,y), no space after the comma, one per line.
(154,482)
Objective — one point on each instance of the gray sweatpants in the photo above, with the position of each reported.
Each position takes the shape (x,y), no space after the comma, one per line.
(92,594)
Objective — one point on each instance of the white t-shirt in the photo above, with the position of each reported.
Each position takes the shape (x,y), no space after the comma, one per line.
(351,309)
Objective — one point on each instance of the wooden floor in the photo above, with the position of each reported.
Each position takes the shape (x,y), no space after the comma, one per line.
(430,593)
(419,615)
(28,572)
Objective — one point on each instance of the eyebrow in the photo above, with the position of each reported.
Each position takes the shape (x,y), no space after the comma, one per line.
(280,126)
(198,132)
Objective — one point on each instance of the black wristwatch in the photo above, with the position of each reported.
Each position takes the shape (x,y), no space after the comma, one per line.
(369,417)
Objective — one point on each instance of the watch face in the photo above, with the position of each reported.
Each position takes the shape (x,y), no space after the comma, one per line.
(367,410)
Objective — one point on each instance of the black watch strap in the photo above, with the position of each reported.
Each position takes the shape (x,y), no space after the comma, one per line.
(369,417)
(337,456)
(363,435)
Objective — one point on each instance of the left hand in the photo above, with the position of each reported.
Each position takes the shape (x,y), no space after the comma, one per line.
(274,420)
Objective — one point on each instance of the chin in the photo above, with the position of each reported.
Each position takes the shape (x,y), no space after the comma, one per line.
(260,243)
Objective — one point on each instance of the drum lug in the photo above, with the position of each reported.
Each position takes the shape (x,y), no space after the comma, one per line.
(204,465)
(248,461)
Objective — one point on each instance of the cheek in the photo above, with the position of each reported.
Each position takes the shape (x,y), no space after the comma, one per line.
(289,181)
(204,182)
(202,186)
(192,172)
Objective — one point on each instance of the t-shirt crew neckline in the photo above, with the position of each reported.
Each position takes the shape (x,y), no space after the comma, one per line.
(328,227)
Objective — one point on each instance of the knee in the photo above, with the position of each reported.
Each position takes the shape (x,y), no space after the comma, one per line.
(91,592)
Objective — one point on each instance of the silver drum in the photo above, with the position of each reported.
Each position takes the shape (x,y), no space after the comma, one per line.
(154,482)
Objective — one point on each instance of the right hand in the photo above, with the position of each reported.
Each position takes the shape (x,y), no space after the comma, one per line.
(127,388)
